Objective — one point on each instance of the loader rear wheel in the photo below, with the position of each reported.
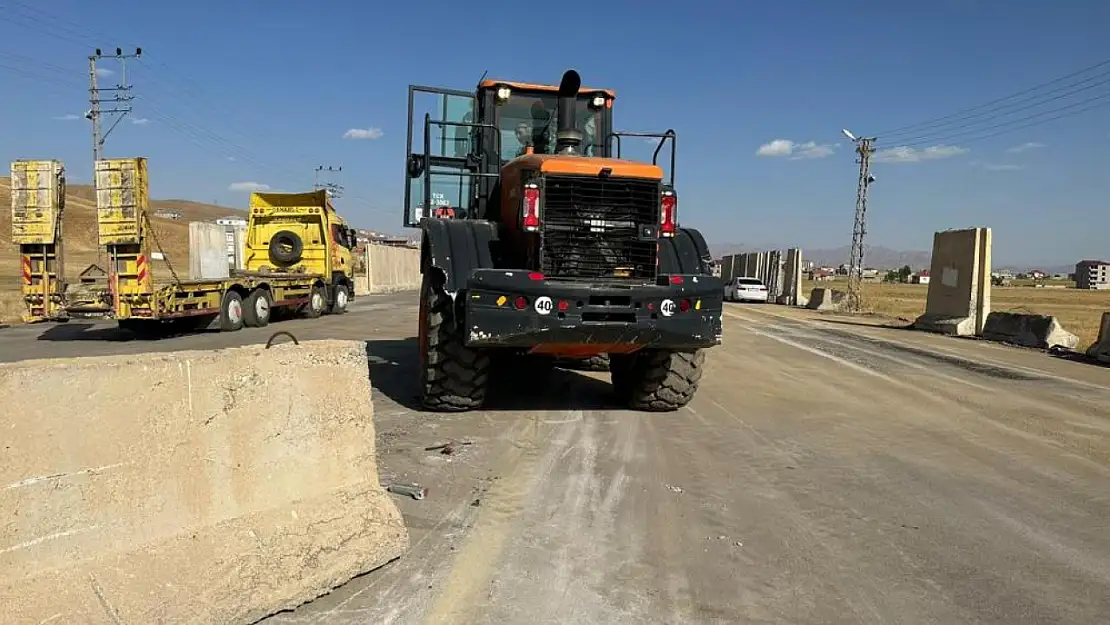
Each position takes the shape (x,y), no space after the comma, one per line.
(453,377)
(657,380)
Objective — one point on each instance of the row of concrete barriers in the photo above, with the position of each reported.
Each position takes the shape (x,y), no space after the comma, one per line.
(959,300)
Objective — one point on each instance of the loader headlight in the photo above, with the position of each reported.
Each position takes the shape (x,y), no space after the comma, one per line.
(598,101)
(503,94)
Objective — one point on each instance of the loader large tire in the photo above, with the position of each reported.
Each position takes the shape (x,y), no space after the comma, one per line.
(657,380)
(453,377)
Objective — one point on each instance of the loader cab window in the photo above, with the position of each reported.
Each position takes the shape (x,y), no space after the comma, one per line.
(531,119)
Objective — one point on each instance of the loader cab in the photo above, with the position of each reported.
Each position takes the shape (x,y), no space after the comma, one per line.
(459,141)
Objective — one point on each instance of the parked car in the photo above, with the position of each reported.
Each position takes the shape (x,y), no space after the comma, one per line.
(745,290)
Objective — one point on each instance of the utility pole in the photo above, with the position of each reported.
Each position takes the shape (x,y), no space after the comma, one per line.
(334,190)
(119,105)
(865,147)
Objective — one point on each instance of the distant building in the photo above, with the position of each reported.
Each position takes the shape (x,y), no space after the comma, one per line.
(1037,274)
(167,214)
(921,277)
(1092,274)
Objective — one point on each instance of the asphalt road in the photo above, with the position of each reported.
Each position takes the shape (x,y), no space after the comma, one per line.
(827,472)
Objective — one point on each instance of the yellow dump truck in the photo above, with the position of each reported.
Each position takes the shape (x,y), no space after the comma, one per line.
(38,201)
(297,259)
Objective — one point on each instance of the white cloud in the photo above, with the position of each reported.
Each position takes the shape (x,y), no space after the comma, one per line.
(363,133)
(1025,147)
(778,147)
(248,186)
(905,154)
(67,118)
(104,72)
(1002,167)
(231,158)
(140,121)
(796,151)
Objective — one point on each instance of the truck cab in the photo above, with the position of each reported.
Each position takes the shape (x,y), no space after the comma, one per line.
(301,233)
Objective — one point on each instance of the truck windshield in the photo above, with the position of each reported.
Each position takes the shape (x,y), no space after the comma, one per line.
(531,119)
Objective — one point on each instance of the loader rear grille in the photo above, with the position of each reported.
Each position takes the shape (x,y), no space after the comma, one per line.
(593,228)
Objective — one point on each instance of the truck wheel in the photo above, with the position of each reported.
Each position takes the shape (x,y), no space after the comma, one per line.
(317,302)
(231,312)
(453,377)
(257,307)
(657,380)
(342,300)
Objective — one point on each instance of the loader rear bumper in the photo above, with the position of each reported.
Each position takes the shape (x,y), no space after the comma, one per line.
(517,309)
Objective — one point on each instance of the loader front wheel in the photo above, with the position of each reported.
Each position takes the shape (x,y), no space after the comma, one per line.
(657,380)
(453,377)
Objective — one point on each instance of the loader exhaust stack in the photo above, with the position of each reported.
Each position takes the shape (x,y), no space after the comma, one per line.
(568,138)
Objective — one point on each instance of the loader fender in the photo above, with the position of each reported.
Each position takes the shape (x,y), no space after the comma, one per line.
(456,247)
(684,253)
(702,247)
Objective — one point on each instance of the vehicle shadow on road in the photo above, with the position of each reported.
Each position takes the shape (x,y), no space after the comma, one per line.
(84,332)
(394,372)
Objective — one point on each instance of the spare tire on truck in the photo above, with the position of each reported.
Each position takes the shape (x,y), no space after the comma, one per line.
(286,247)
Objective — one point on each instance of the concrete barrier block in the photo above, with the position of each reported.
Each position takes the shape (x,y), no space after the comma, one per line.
(822,298)
(958,301)
(1100,350)
(207,251)
(1039,331)
(189,487)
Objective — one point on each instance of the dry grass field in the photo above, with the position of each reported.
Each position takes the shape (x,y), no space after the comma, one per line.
(1078,311)
(80,239)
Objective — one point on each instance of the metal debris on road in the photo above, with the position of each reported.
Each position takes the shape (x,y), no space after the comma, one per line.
(273,336)
(674,489)
(448,449)
(409,490)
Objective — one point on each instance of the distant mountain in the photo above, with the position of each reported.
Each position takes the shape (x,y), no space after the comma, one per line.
(873,256)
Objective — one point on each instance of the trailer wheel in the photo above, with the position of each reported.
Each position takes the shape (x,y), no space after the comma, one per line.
(453,377)
(342,300)
(231,312)
(257,308)
(317,302)
(657,380)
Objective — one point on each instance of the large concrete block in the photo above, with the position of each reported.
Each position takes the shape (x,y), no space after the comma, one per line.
(207,251)
(1100,350)
(822,298)
(188,487)
(392,268)
(1027,330)
(959,287)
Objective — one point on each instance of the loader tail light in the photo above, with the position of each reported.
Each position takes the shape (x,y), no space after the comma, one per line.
(530,211)
(668,214)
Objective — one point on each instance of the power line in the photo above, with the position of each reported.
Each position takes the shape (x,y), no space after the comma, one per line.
(57,27)
(991,113)
(900,129)
(1015,124)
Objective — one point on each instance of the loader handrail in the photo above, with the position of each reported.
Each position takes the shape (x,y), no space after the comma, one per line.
(662,136)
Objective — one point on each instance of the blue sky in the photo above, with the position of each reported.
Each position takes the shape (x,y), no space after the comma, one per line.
(276,86)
